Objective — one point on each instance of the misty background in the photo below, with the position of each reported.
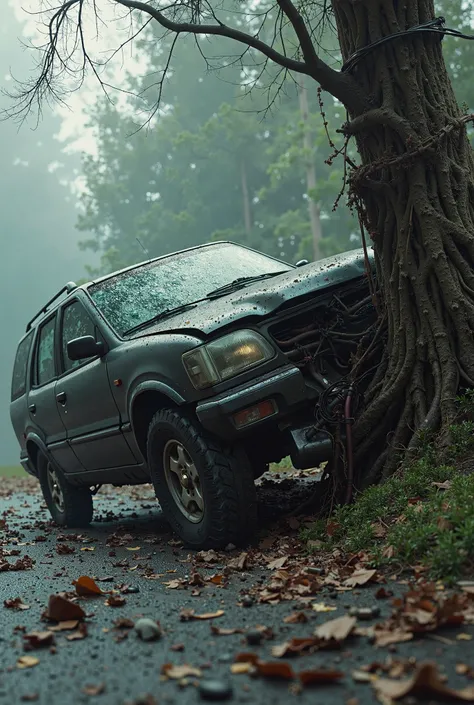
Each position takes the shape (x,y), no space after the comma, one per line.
(212,163)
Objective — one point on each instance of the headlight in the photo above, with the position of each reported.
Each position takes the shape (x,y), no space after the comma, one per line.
(226,357)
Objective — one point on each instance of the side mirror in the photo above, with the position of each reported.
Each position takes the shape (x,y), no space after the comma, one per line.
(82,348)
(302,262)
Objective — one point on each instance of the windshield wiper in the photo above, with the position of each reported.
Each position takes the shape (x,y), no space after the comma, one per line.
(242,281)
(160,316)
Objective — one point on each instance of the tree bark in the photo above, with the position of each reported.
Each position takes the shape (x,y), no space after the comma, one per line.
(313,208)
(415,188)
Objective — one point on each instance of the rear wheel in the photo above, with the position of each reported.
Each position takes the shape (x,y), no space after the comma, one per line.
(68,505)
(206,489)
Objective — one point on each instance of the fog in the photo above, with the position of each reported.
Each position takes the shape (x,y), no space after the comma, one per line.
(38,239)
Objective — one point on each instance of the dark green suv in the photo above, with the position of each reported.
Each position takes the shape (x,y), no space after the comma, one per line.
(193,371)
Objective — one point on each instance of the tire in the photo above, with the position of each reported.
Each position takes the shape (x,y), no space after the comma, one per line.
(75,509)
(221,503)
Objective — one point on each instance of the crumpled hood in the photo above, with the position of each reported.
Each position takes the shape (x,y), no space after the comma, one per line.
(265,297)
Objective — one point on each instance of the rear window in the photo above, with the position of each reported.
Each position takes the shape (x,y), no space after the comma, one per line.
(20,367)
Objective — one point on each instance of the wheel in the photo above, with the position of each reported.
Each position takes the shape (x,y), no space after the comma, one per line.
(68,505)
(206,490)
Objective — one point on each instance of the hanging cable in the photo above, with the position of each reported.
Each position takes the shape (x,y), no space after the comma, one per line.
(435,26)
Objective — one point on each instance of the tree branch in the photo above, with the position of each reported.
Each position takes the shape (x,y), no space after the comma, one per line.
(340,85)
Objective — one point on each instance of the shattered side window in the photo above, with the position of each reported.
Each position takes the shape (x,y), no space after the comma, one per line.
(135,296)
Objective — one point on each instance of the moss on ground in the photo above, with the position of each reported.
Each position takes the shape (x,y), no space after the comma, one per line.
(421,516)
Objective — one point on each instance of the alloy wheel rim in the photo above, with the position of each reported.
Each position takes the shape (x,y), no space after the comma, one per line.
(55,489)
(183,481)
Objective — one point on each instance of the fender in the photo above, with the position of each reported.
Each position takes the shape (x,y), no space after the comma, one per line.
(155,386)
(37,440)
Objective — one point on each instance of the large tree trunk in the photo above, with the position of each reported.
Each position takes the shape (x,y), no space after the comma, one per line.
(416,190)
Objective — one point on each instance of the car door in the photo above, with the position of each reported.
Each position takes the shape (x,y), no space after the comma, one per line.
(86,403)
(45,419)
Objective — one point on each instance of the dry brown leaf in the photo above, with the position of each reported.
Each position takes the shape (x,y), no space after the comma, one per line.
(94,689)
(239,668)
(293,646)
(316,676)
(27,662)
(15,604)
(277,563)
(336,629)
(79,634)
(176,584)
(238,563)
(36,640)
(385,637)
(85,586)
(115,601)
(64,626)
(295,618)
(360,577)
(187,615)
(217,631)
(179,672)
(426,681)
(321,607)
(60,609)
(216,579)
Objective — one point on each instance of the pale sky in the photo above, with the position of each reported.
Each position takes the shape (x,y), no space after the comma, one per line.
(113,32)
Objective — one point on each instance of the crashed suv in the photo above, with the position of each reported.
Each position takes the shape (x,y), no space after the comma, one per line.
(193,371)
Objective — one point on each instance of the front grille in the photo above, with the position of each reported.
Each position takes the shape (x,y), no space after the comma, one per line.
(325,335)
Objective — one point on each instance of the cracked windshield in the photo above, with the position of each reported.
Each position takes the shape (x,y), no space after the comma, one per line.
(135,297)
(237,363)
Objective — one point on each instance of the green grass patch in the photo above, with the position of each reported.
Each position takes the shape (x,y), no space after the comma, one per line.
(12,471)
(411,519)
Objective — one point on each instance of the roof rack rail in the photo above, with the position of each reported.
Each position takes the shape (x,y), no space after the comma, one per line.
(70,286)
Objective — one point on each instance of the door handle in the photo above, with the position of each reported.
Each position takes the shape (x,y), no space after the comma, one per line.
(32,408)
(61,397)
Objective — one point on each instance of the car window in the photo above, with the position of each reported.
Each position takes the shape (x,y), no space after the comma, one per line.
(76,324)
(45,365)
(135,296)
(20,366)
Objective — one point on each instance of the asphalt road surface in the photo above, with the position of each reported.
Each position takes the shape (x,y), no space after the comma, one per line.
(130,545)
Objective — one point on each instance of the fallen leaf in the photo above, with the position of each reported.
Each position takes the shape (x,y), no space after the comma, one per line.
(60,609)
(337,629)
(27,662)
(88,548)
(463,637)
(239,668)
(426,681)
(225,632)
(86,586)
(29,697)
(216,579)
(134,548)
(94,689)
(363,677)
(207,556)
(293,646)
(65,626)
(278,563)
(179,672)
(115,601)
(36,640)
(385,637)
(238,563)
(176,584)
(317,676)
(177,647)
(360,577)
(321,607)
(16,604)
(187,615)
(295,618)
(79,634)
(268,669)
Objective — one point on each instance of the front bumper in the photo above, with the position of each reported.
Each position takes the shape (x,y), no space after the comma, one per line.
(287,388)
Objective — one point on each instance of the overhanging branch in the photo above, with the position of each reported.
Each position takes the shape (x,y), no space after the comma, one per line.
(341,86)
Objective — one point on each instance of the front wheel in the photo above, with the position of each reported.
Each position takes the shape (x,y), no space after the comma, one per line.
(206,490)
(68,505)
